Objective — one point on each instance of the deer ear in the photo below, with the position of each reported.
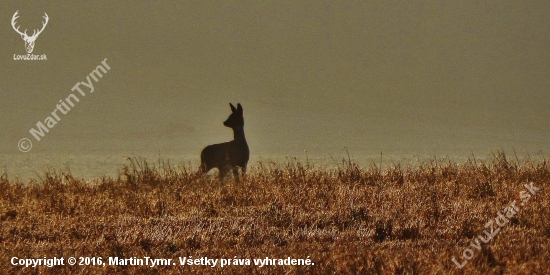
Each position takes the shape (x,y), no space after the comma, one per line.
(239,108)
(232,108)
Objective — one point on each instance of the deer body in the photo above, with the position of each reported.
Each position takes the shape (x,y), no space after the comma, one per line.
(228,156)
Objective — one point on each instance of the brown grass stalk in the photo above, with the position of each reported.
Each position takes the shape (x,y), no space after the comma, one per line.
(346,219)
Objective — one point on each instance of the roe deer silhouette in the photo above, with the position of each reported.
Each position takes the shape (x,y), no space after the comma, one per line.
(228,156)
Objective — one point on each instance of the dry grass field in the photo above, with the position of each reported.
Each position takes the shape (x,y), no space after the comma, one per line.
(346,220)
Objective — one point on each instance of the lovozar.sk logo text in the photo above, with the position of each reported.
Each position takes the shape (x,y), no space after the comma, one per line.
(29,40)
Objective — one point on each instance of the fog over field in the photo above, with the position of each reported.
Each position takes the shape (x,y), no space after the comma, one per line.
(405,78)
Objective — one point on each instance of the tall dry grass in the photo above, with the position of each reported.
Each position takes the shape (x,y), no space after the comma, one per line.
(346,219)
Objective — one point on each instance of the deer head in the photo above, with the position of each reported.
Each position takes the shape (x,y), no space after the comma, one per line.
(236,119)
(29,40)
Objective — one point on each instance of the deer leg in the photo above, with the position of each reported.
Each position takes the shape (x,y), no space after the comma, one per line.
(236,173)
(222,173)
(202,168)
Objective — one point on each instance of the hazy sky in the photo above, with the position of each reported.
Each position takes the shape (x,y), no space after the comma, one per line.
(396,76)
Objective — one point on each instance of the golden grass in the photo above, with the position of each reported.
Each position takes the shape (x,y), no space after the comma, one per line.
(402,220)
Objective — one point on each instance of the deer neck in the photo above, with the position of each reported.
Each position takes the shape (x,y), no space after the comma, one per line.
(238,134)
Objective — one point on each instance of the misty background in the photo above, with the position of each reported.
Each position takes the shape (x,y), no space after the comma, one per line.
(410,79)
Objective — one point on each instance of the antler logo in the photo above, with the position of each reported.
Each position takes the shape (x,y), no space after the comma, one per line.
(29,40)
